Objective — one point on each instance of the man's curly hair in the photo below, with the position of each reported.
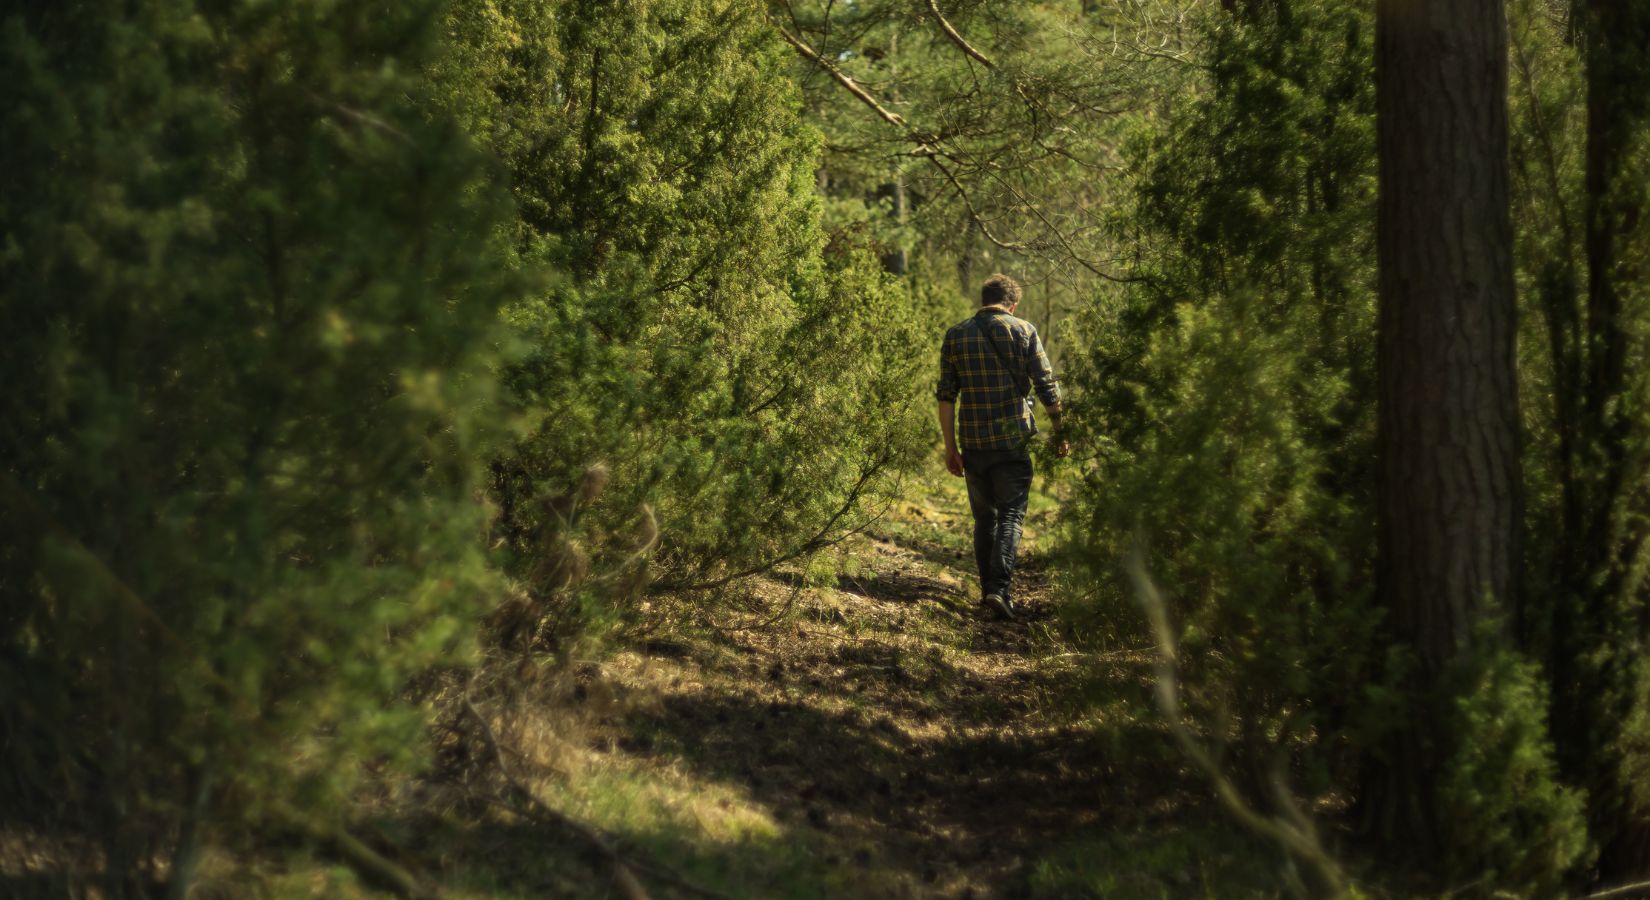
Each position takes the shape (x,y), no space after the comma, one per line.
(1000,290)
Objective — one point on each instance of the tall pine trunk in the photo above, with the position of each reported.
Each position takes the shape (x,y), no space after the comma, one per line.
(1448,403)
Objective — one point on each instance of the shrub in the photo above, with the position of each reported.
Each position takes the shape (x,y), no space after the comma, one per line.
(1228,396)
(740,373)
(248,291)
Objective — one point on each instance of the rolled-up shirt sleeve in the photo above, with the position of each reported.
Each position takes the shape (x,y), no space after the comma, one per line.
(946,390)
(1042,373)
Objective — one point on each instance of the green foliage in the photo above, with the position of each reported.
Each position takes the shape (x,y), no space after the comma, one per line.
(1589,431)
(249,295)
(253,274)
(1226,396)
(308,305)
(1230,401)
(1546,94)
(1511,822)
(738,371)
(1002,167)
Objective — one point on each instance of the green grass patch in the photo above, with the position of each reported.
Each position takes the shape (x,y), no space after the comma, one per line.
(1213,860)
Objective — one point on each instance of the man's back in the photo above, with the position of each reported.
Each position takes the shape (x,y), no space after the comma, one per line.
(989,364)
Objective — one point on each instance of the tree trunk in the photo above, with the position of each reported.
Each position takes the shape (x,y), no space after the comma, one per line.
(894,258)
(1448,391)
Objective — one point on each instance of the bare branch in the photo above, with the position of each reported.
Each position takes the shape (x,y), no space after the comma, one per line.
(1620,891)
(968,204)
(843,78)
(369,863)
(1065,243)
(956,36)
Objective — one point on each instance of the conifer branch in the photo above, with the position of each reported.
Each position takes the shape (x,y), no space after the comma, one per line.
(928,146)
(23,502)
(358,855)
(820,539)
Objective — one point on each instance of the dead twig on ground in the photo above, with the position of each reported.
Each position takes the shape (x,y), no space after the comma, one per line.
(784,609)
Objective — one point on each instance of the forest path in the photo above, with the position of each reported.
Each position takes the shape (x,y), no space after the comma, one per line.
(902,741)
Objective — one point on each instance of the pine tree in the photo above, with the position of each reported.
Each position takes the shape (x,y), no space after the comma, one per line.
(1226,392)
(739,372)
(249,289)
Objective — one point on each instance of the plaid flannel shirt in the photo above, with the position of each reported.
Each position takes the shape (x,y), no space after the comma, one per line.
(994,409)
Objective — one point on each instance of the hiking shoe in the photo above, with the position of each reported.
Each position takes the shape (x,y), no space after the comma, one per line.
(1001,605)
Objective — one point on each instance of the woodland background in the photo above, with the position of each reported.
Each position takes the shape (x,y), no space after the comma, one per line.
(364,362)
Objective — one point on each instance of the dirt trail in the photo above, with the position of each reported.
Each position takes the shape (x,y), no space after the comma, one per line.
(927,747)
(880,736)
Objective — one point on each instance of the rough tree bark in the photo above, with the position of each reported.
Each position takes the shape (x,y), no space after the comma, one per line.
(1448,402)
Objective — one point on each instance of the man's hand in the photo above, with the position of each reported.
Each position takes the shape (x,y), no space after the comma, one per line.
(953,461)
(1061,446)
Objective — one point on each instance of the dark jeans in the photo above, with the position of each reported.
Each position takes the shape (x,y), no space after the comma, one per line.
(999,483)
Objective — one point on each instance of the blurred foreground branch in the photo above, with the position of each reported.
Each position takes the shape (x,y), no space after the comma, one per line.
(1292,829)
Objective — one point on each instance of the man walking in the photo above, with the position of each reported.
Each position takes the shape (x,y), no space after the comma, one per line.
(992,362)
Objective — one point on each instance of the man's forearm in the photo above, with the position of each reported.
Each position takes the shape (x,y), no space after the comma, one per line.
(948,424)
